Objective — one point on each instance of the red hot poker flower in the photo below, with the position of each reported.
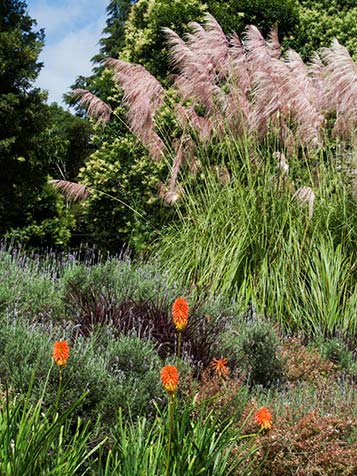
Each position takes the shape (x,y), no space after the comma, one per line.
(60,352)
(169,378)
(220,367)
(180,310)
(263,418)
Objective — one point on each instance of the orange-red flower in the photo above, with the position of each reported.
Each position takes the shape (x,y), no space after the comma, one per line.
(263,418)
(60,352)
(169,378)
(220,367)
(180,310)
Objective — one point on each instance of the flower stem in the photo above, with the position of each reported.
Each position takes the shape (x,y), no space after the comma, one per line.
(59,388)
(170,419)
(179,345)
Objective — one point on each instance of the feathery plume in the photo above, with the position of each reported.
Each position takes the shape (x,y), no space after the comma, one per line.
(317,74)
(95,107)
(282,162)
(143,94)
(273,44)
(71,190)
(278,94)
(305,196)
(341,75)
(239,68)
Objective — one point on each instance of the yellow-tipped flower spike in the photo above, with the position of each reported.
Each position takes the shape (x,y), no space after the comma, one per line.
(170,378)
(60,352)
(180,310)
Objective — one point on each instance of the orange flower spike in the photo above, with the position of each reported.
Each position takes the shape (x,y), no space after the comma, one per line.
(220,367)
(180,310)
(263,418)
(60,352)
(170,378)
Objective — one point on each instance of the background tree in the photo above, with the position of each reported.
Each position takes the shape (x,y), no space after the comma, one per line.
(145,41)
(235,15)
(322,20)
(65,143)
(29,208)
(114,41)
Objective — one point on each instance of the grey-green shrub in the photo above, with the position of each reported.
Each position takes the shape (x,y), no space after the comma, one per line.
(258,349)
(26,289)
(115,373)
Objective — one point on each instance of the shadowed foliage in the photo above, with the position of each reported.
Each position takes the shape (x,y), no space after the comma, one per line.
(148,319)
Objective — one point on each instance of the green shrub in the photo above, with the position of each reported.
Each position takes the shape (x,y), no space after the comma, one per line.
(50,225)
(24,349)
(27,290)
(124,207)
(337,352)
(258,348)
(121,372)
(322,20)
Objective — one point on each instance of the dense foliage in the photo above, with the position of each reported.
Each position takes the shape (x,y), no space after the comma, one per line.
(124,207)
(30,210)
(116,317)
(235,15)
(144,38)
(235,179)
(65,143)
(322,20)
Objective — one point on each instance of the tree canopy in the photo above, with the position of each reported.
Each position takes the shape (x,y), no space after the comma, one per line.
(28,205)
(322,20)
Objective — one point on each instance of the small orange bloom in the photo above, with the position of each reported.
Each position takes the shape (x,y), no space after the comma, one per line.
(60,352)
(220,367)
(263,418)
(180,310)
(170,378)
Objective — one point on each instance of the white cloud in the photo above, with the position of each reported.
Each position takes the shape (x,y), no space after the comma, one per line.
(54,17)
(64,13)
(73,29)
(67,59)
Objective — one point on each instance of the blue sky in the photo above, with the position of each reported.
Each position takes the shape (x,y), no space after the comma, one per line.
(73,29)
